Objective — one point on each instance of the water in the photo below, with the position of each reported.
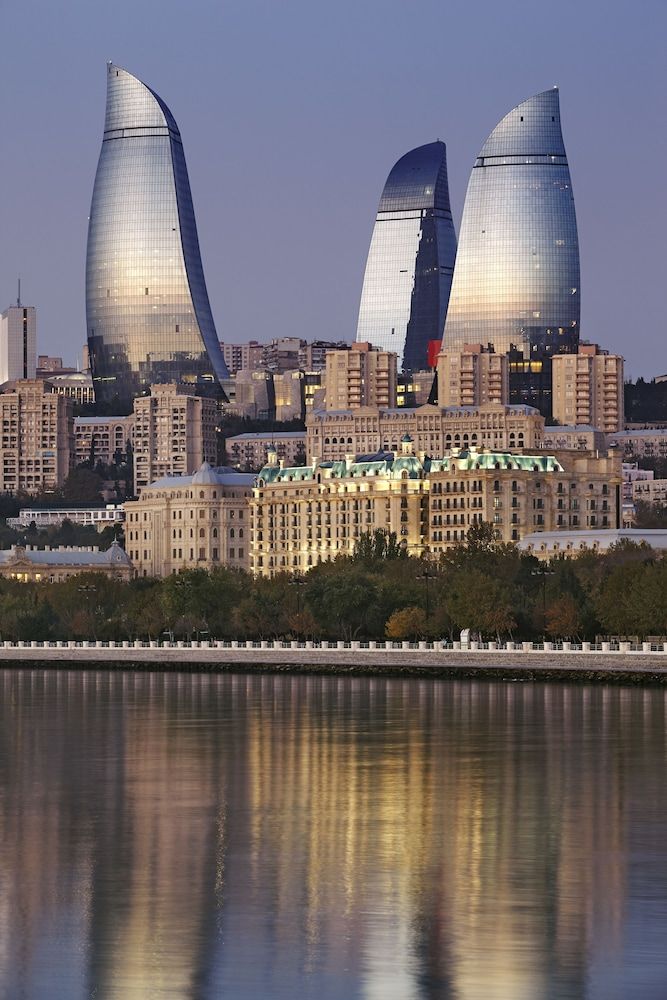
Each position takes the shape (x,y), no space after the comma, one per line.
(261,837)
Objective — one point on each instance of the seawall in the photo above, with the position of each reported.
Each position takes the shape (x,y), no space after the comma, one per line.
(622,663)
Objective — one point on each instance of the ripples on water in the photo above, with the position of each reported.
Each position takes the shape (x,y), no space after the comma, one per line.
(249,837)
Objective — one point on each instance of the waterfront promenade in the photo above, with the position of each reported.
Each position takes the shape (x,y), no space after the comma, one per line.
(521,660)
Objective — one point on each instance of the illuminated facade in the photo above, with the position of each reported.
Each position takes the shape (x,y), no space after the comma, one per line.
(366,430)
(37,440)
(148,314)
(411,259)
(174,432)
(190,522)
(516,282)
(308,514)
(472,377)
(588,389)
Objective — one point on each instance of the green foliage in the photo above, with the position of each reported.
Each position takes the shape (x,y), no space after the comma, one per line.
(82,485)
(407,623)
(650,515)
(378,545)
(483,585)
(645,401)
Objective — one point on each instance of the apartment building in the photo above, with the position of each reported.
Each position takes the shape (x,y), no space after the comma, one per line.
(174,432)
(473,376)
(360,376)
(102,438)
(249,452)
(18,343)
(574,438)
(37,444)
(633,444)
(588,388)
(239,356)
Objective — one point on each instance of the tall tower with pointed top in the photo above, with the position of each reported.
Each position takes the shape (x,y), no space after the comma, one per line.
(147,308)
(516,280)
(411,259)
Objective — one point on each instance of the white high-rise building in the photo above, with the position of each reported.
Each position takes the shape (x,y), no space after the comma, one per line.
(18,343)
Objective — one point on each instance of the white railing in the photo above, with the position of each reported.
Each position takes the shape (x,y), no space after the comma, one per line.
(252,645)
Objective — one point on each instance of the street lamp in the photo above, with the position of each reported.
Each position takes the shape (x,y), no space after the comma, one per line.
(298,582)
(426,576)
(544,573)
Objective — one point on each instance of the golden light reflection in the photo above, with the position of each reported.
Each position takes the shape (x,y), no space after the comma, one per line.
(467,839)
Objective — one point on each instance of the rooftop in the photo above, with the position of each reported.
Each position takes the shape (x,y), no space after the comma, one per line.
(75,555)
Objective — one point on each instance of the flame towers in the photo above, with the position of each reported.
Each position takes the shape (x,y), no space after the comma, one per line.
(411,259)
(148,313)
(516,281)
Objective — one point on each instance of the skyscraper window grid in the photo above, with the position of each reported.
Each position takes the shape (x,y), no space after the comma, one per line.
(411,259)
(148,314)
(516,281)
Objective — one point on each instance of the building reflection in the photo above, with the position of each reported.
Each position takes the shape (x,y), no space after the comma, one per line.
(177,835)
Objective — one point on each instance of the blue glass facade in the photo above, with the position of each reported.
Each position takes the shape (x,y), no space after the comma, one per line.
(147,308)
(516,281)
(411,259)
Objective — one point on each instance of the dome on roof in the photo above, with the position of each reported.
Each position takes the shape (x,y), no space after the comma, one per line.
(204,475)
(116,554)
(406,438)
(409,464)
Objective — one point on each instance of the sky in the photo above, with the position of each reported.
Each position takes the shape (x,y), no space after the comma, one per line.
(292,114)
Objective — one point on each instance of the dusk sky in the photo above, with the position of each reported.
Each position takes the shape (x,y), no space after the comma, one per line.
(292,114)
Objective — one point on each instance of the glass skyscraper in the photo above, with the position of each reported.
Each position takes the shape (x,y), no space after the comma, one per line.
(411,259)
(148,314)
(516,281)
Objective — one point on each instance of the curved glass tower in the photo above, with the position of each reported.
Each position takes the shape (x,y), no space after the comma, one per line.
(516,282)
(411,259)
(148,314)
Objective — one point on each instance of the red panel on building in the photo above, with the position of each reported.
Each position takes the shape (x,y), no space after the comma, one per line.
(432,352)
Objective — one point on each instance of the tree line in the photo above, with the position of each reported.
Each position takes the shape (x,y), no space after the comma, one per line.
(489,587)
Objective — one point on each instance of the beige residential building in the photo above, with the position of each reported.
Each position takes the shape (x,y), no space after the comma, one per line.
(302,516)
(521,494)
(102,437)
(174,432)
(652,491)
(434,430)
(238,356)
(648,443)
(249,452)
(567,438)
(472,377)
(37,444)
(588,388)
(189,522)
(360,376)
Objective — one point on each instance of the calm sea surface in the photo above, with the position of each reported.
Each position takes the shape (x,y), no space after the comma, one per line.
(284,837)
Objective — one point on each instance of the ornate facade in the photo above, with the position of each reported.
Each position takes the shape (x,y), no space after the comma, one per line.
(187,522)
(330,436)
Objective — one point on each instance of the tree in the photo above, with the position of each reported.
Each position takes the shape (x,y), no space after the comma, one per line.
(481,603)
(563,620)
(406,623)
(82,485)
(374,546)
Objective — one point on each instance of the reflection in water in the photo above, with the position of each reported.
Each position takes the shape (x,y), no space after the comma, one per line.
(193,836)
